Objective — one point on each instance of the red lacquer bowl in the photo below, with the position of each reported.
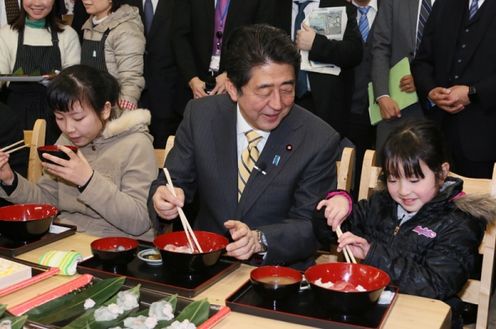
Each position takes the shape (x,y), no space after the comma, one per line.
(114,250)
(26,222)
(55,151)
(276,282)
(343,298)
(212,244)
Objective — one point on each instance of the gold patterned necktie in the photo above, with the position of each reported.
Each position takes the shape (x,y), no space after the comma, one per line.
(11,10)
(248,159)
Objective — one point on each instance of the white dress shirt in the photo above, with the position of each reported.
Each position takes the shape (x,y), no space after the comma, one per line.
(241,128)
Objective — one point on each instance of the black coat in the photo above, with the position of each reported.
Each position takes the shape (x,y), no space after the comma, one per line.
(432,254)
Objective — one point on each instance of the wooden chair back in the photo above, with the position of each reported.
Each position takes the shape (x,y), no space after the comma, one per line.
(475,291)
(35,138)
(370,175)
(345,168)
(479,291)
(161,154)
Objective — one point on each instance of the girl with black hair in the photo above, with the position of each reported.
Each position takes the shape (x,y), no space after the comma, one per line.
(421,229)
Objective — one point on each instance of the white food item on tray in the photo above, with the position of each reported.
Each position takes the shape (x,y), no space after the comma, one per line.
(12,273)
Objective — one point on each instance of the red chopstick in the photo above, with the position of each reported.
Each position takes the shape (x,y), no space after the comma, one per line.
(25,283)
(212,321)
(62,290)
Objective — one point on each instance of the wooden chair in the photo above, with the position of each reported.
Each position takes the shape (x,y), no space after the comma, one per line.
(475,291)
(479,291)
(35,138)
(370,175)
(344,169)
(161,154)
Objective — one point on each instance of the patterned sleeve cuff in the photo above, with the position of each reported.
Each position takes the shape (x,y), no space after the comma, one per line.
(127,105)
(345,194)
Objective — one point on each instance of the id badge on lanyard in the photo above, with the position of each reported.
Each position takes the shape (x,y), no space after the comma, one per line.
(215,63)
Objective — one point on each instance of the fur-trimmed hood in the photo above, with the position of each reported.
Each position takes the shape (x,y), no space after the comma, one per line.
(134,120)
(482,206)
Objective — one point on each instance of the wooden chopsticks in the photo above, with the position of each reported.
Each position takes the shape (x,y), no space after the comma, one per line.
(9,148)
(190,235)
(348,255)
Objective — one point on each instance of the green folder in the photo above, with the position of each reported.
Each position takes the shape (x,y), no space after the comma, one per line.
(403,99)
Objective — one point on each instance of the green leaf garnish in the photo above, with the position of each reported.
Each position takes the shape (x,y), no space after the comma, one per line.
(196,312)
(87,320)
(71,305)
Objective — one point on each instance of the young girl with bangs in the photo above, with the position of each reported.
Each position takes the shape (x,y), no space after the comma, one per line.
(419,227)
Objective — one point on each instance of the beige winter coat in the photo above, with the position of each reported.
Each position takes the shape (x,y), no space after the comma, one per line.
(124,49)
(114,202)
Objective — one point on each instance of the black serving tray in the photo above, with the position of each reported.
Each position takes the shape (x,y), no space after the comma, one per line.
(216,313)
(15,248)
(304,309)
(160,277)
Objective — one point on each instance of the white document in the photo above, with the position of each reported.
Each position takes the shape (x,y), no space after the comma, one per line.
(330,22)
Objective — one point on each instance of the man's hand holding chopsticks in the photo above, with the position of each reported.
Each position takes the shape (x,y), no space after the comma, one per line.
(165,203)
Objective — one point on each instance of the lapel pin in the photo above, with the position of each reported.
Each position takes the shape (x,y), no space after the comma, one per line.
(289,147)
(276,159)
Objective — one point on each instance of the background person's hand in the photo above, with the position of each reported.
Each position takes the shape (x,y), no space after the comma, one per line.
(197,87)
(305,37)
(245,240)
(336,210)
(165,203)
(389,108)
(445,100)
(6,173)
(76,170)
(220,84)
(407,84)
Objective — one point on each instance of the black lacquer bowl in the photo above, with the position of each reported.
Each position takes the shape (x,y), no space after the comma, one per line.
(275,282)
(182,263)
(26,222)
(114,251)
(356,287)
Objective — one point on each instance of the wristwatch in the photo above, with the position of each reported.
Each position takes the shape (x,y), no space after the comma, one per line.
(262,240)
(472,94)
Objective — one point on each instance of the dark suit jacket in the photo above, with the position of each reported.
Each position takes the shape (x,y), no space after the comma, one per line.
(194,30)
(280,203)
(331,94)
(474,127)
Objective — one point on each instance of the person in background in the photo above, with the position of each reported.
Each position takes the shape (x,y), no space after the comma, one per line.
(9,10)
(397,33)
(36,43)
(256,161)
(104,186)
(11,132)
(161,93)
(455,73)
(421,229)
(360,131)
(114,41)
(326,95)
(200,28)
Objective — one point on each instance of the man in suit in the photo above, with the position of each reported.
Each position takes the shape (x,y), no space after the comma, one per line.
(160,71)
(455,74)
(326,95)
(395,37)
(267,212)
(360,131)
(195,42)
